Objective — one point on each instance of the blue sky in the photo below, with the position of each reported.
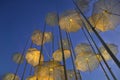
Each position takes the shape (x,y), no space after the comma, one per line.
(18,19)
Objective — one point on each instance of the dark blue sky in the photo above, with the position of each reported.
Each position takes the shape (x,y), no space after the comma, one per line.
(18,19)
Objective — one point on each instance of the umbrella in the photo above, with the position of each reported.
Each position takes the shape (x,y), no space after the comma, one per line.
(86,62)
(10,76)
(83,4)
(51,70)
(109,11)
(37,37)
(70,21)
(52,19)
(33,55)
(57,55)
(18,58)
(32,78)
(102,22)
(83,47)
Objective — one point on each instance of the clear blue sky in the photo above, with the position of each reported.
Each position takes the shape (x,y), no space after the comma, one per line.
(18,19)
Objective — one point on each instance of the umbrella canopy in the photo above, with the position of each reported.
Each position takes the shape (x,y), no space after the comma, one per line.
(83,4)
(83,47)
(102,22)
(33,55)
(109,11)
(51,70)
(57,55)
(105,54)
(18,58)
(48,36)
(70,21)
(86,62)
(37,37)
(32,78)
(52,19)
(10,76)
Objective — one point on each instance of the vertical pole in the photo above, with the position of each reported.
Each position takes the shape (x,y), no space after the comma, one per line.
(76,78)
(23,52)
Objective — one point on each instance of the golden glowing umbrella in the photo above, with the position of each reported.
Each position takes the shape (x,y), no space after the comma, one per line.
(10,76)
(86,62)
(83,47)
(113,48)
(37,37)
(52,19)
(32,78)
(18,58)
(57,55)
(51,70)
(101,22)
(70,21)
(33,55)
(109,11)
(83,4)
(47,36)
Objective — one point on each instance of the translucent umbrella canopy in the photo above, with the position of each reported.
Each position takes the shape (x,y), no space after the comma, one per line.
(37,37)
(86,62)
(33,56)
(52,19)
(70,21)
(10,76)
(18,58)
(110,9)
(83,47)
(32,78)
(57,55)
(113,48)
(83,4)
(102,22)
(49,71)
(48,36)
(65,44)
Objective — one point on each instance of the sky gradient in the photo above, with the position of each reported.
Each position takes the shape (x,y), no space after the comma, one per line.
(18,19)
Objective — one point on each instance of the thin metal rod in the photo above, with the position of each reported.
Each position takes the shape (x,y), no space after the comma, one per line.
(53,41)
(98,36)
(100,53)
(23,52)
(22,78)
(72,58)
(31,68)
(95,54)
(72,49)
(23,74)
(41,49)
(63,56)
